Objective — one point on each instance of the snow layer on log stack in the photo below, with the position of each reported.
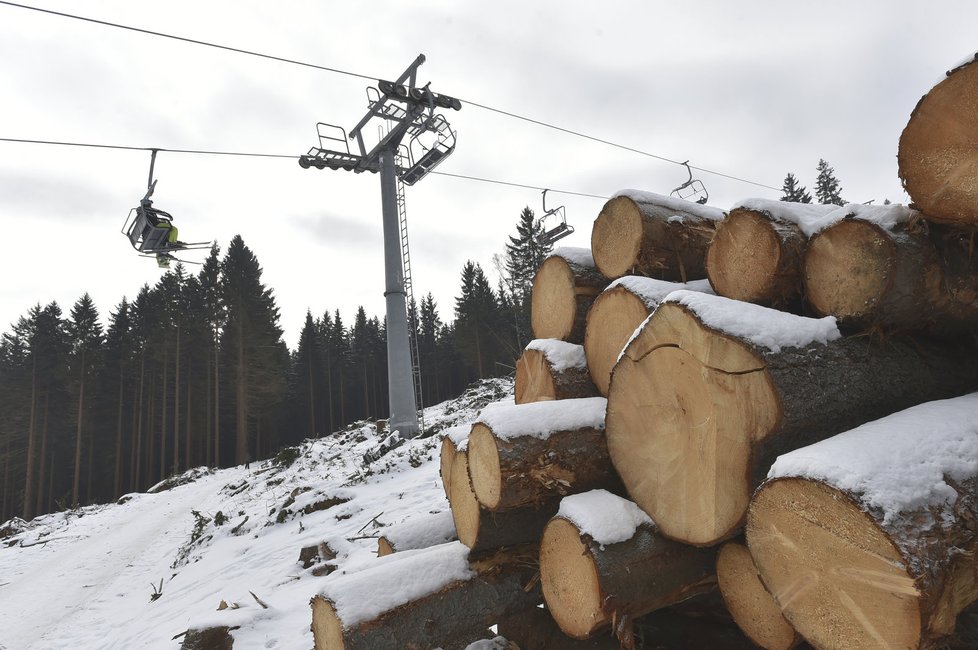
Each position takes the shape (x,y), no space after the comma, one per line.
(420,531)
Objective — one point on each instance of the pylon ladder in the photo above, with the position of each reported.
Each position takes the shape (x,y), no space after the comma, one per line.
(409,295)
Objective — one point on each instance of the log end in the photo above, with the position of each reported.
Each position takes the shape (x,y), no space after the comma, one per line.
(610,324)
(938,150)
(447,460)
(384,547)
(553,303)
(327,628)
(569,579)
(484,469)
(837,576)
(534,382)
(744,258)
(465,507)
(616,237)
(848,269)
(748,601)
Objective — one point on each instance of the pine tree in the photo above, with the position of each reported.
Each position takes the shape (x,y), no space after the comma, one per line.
(477,321)
(306,380)
(827,188)
(792,191)
(524,255)
(85,334)
(214,317)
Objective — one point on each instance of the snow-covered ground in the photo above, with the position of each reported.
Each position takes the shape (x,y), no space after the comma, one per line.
(137,573)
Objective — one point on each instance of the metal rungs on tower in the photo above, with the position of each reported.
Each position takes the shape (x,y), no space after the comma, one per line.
(413,325)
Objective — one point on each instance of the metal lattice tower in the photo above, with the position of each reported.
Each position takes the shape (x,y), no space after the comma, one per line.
(409,112)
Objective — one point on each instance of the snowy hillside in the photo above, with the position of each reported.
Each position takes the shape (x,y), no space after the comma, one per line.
(139,572)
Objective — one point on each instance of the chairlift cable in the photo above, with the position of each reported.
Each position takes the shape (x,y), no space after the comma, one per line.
(374,78)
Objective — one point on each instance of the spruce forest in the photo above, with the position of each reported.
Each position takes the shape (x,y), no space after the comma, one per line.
(194,371)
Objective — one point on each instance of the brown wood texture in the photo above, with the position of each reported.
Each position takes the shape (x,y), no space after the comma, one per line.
(502,585)
(530,471)
(845,578)
(748,601)
(632,237)
(756,258)
(538,380)
(589,586)
(696,416)
(938,151)
(562,293)
(447,462)
(613,318)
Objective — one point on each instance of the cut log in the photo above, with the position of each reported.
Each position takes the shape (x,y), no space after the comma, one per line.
(883,267)
(452,440)
(550,369)
(482,530)
(602,563)
(641,233)
(615,314)
(757,252)
(563,289)
(422,599)
(529,454)
(712,390)
(749,602)
(867,539)
(938,152)
(421,531)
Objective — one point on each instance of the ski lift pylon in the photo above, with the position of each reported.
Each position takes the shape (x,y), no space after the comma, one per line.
(560,230)
(692,190)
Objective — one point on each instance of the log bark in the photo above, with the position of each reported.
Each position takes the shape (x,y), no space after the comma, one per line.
(482,530)
(640,233)
(615,314)
(422,531)
(499,586)
(748,600)
(211,638)
(697,414)
(541,374)
(589,586)
(564,287)
(756,257)
(515,472)
(938,151)
(535,629)
(912,277)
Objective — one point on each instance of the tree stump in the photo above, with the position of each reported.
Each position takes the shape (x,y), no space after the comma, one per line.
(641,233)
(563,289)
(938,152)
(712,390)
(867,539)
(550,369)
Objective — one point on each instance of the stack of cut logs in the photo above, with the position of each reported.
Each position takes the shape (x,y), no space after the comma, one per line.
(675,361)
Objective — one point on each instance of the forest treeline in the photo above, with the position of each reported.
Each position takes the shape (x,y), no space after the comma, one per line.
(194,371)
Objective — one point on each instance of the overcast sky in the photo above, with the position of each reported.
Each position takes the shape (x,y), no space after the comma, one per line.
(749,89)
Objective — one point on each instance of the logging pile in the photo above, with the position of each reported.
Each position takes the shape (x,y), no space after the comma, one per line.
(766,416)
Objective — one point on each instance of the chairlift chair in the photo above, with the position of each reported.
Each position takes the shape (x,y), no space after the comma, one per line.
(692,190)
(557,232)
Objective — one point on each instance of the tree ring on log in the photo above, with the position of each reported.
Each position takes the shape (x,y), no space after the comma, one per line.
(483,456)
(837,576)
(744,258)
(611,322)
(553,302)
(465,507)
(327,626)
(938,151)
(616,237)
(748,600)
(571,587)
(848,268)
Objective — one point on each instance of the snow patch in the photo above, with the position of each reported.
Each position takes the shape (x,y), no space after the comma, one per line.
(575,255)
(561,355)
(899,463)
(672,203)
(803,215)
(607,518)
(652,291)
(764,327)
(887,217)
(543,419)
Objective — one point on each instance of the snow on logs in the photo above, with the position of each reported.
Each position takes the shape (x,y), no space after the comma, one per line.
(615,314)
(422,599)
(564,287)
(421,531)
(883,266)
(641,233)
(938,152)
(749,602)
(757,252)
(530,454)
(867,539)
(602,563)
(710,391)
(550,369)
